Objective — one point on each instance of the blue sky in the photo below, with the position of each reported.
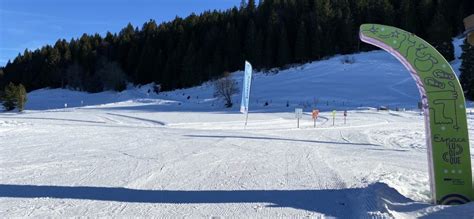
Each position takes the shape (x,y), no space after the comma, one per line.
(34,23)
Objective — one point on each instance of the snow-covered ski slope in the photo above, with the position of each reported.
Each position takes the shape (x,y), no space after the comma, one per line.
(138,154)
(374,79)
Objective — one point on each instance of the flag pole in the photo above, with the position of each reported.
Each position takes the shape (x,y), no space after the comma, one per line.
(246,118)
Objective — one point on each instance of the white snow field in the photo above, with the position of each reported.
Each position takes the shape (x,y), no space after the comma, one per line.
(138,154)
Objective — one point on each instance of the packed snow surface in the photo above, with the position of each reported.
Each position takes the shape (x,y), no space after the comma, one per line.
(181,154)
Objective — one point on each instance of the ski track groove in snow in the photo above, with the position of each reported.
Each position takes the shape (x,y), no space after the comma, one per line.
(153,122)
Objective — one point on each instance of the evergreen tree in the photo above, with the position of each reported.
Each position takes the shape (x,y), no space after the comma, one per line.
(344,34)
(315,43)
(21,96)
(73,76)
(467,70)
(251,5)
(233,54)
(270,44)
(300,44)
(111,76)
(145,67)
(10,99)
(283,48)
(258,50)
(324,16)
(439,36)
(251,42)
(188,66)
(426,10)
(408,15)
(243,4)
(52,68)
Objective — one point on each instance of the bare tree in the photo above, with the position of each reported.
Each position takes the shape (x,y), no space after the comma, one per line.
(224,88)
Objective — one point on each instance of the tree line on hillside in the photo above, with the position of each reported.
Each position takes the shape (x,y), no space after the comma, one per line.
(188,51)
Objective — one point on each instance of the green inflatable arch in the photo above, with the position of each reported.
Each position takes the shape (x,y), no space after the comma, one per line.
(444,109)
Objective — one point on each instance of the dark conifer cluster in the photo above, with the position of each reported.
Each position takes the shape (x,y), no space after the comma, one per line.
(188,51)
(467,70)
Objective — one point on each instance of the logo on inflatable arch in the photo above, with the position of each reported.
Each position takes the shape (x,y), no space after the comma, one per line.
(444,109)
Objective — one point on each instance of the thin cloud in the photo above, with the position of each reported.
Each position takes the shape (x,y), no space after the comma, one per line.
(25,14)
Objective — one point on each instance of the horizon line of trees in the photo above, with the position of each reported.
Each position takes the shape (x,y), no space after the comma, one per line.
(188,51)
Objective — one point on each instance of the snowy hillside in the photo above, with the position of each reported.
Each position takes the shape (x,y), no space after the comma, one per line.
(140,154)
(375,79)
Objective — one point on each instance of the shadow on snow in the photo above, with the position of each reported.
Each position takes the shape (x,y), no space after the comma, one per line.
(331,202)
